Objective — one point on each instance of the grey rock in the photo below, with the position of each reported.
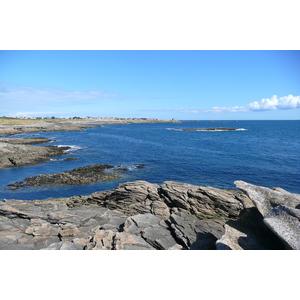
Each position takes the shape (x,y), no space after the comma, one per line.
(265,199)
(37,224)
(63,246)
(279,209)
(131,198)
(204,202)
(109,240)
(249,232)
(152,229)
(285,223)
(195,234)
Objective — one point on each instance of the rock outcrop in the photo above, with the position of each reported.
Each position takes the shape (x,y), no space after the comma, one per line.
(144,216)
(272,224)
(17,152)
(81,175)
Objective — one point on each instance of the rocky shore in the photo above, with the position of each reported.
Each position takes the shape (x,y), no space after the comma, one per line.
(81,175)
(16,126)
(144,216)
(16,152)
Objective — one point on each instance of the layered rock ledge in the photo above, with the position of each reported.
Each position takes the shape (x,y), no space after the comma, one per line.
(144,216)
(80,175)
(16,152)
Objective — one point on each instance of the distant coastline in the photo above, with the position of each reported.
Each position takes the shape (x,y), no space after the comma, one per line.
(16,152)
(18,125)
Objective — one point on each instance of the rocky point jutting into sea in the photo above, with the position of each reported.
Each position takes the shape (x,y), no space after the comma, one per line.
(140,215)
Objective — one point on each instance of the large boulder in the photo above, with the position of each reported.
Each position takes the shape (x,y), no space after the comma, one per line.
(279,210)
(265,199)
(131,198)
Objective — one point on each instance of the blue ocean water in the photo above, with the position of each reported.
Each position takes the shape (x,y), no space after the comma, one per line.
(264,153)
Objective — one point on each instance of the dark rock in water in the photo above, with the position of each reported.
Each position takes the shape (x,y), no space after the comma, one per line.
(81,175)
(70,158)
(210,129)
(140,166)
(26,141)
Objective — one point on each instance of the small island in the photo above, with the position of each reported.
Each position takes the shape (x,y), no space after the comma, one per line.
(210,129)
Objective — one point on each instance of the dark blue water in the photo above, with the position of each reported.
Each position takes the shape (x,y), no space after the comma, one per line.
(266,154)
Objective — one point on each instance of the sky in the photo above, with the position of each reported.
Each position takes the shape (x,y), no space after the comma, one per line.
(163,84)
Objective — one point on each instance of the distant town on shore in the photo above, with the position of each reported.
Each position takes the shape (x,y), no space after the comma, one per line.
(75,117)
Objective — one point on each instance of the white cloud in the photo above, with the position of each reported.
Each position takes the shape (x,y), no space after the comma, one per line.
(218,109)
(33,113)
(273,103)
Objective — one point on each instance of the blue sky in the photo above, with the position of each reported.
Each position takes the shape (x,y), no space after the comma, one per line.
(186,85)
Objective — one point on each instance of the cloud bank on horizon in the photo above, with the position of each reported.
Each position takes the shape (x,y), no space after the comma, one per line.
(273,103)
(16,97)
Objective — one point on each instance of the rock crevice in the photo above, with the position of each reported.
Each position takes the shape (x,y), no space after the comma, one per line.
(144,216)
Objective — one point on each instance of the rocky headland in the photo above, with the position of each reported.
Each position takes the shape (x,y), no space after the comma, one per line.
(144,216)
(16,152)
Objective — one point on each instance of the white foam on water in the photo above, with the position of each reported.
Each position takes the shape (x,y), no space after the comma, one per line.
(72,148)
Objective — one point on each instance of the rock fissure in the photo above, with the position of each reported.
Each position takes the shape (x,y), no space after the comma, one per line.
(142,215)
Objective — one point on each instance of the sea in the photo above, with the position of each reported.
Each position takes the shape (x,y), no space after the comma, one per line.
(265,153)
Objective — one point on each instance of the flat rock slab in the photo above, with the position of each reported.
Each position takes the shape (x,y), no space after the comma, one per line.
(37,224)
(285,223)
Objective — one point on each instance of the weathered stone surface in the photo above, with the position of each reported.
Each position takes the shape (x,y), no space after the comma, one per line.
(249,232)
(138,197)
(64,246)
(140,215)
(109,240)
(279,209)
(204,202)
(265,199)
(285,223)
(196,234)
(15,154)
(38,224)
(152,229)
